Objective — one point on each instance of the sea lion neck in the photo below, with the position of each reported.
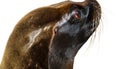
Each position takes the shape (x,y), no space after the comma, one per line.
(62,58)
(59,63)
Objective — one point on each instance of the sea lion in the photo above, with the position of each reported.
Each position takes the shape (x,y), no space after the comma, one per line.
(50,37)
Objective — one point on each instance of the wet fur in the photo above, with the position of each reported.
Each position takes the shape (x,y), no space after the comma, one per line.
(41,53)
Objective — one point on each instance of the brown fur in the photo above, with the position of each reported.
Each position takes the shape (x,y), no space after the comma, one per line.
(36,57)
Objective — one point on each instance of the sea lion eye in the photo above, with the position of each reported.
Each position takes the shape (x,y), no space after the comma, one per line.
(77,15)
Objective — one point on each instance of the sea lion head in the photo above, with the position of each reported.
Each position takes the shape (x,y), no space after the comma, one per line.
(74,29)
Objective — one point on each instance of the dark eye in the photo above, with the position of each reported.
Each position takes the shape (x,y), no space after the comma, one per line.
(77,15)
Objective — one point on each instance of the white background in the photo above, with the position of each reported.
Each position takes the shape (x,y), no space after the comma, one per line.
(103,53)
